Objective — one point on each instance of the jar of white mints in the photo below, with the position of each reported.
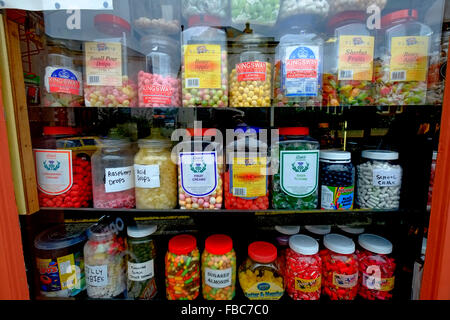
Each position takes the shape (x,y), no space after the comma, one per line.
(379,180)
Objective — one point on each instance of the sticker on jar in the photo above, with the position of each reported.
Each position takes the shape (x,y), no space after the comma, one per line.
(141,271)
(299,172)
(54,171)
(308,285)
(387,178)
(251,71)
(62,80)
(97,276)
(103,63)
(202,63)
(156,93)
(199,173)
(119,179)
(264,291)
(337,198)
(355,57)
(58,274)
(409,58)
(248,177)
(218,278)
(376,283)
(345,280)
(146,176)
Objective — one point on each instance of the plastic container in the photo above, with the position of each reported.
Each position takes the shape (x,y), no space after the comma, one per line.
(263,13)
(141,284)
(157,17)
(259,275)
(182,268)
(337,180)
(212,12)
(282,243)
(317,232)
(361,5)
(59,261)
(330,94)
(432,175)
(379,180)
(218,268)
(296,178)
(376,267)
(303,268)
(351,232)
(293,8)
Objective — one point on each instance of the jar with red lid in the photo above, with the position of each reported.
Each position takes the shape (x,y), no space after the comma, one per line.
(339,268)
(259,276)
(376,267)
(218,268)
(63,168)
(182,263)
(303,268)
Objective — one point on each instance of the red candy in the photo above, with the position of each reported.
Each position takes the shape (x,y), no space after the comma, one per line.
(232,202)
(158,91)
(122,199)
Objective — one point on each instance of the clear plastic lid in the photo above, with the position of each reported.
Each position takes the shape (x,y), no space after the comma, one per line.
(375,244)
(60,237)
(319,229)
(141,231)
(303,244)
(339,243)
(288,230)
(380,154)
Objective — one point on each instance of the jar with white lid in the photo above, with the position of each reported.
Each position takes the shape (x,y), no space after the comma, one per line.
(379,180)
(282,243)
(317,232)
(351,232)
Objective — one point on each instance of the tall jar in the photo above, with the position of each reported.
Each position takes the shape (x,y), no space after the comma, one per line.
(379,180)
(282,243)
(157,16)
(182,268)
(218,268)
(296,177)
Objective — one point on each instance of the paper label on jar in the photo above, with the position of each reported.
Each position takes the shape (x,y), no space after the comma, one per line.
(146,176)
(119,179)
(218,278)
(248,177)
(158,94)
(251,71)
(355,57)
(53,170)
(299,172)
(409,58)
(96,276)
(103,64)
(57,274)
(63,80)
(141,271)
(203,66)
(345,280)
(376,283)
(301,71)
(308,285)
(264,291)
(199,173)
(387,178)
(337,198)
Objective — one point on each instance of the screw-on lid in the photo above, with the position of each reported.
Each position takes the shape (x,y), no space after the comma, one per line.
(351,230)
(262,252)
(319,229)
(303,244)
(288,230)
(339,243)
(182,244)
(407,14)
(218,244)
(380,154)
(59,237)
(375,244)
(141,231)
(335,155)
(111,24)
(293,131)
(346,17)
(203,132)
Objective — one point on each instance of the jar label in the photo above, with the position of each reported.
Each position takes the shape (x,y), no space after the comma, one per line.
(59,274)
(141,271)
(264,291)
(308,285)
(251,71)
(299,172)
(337,198)
(147,176)
(376,283)
(345,280)
(199,173)
(97,276)
(54,171)
(409,58)
(63,80)
(355,57)
(202,64)
(103,63)
(248,177)
(119,179)
(301,71)
(155,93)
(387,178)
(218,278)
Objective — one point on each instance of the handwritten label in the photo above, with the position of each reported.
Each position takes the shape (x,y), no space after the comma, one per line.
(119,179)
(387,178)
(146,176)
(218,278)
(97,276)
(141,271)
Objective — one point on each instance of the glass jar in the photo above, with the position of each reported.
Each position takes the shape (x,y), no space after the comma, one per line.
(218,268)
(337,180)
(259,276)
(63,168)
(317,232)
(205,12)
(141,284)
(376,268)
(432,175)
(295,8)
(204,67)
(104,263)
(339,268)
(303,268)
(157,17)
(200,171)
(282,243)
(403,66)
(159,84)
(379,180)
(182,268)
(296,179)
(262,13)
(358,5)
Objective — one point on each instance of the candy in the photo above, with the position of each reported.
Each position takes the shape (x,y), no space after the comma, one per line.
(56,99)
(263,12)
(355,93)
(330,90)
(158,91)
(123,199)
(350,5)
(295,7)
(234,202)
(111,96)
(215,8)
(157,24)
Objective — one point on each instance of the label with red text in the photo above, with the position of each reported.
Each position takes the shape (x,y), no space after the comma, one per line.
(54,171)
(409,58)
(158,94)
(251,71)
(355,57)
(63,80)
(103,63)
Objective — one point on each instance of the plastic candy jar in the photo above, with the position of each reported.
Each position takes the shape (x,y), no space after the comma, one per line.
(360,5)
(63,169)
(160,85)
(330,96)
(432,175)
(401,77)
(157,17)
(379,180)
(182,268)
(104,263)
(259,275)
(218,268)
(376,268)
(337,180)
(141,284)
(282,240)
(339,268)
(351,232)
(317,232)
(200,171)
(290,8)
(303,268)
(257,13)
(296,179)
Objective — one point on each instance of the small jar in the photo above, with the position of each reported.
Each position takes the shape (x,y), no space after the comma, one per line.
(141,284)
(303,268)
(259,276)
(161,17)
(317,232)
(282,243)
(351,232)
(376,268)
(104,263)
(182,268)
(337,180)
(218,268)
(379,180)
